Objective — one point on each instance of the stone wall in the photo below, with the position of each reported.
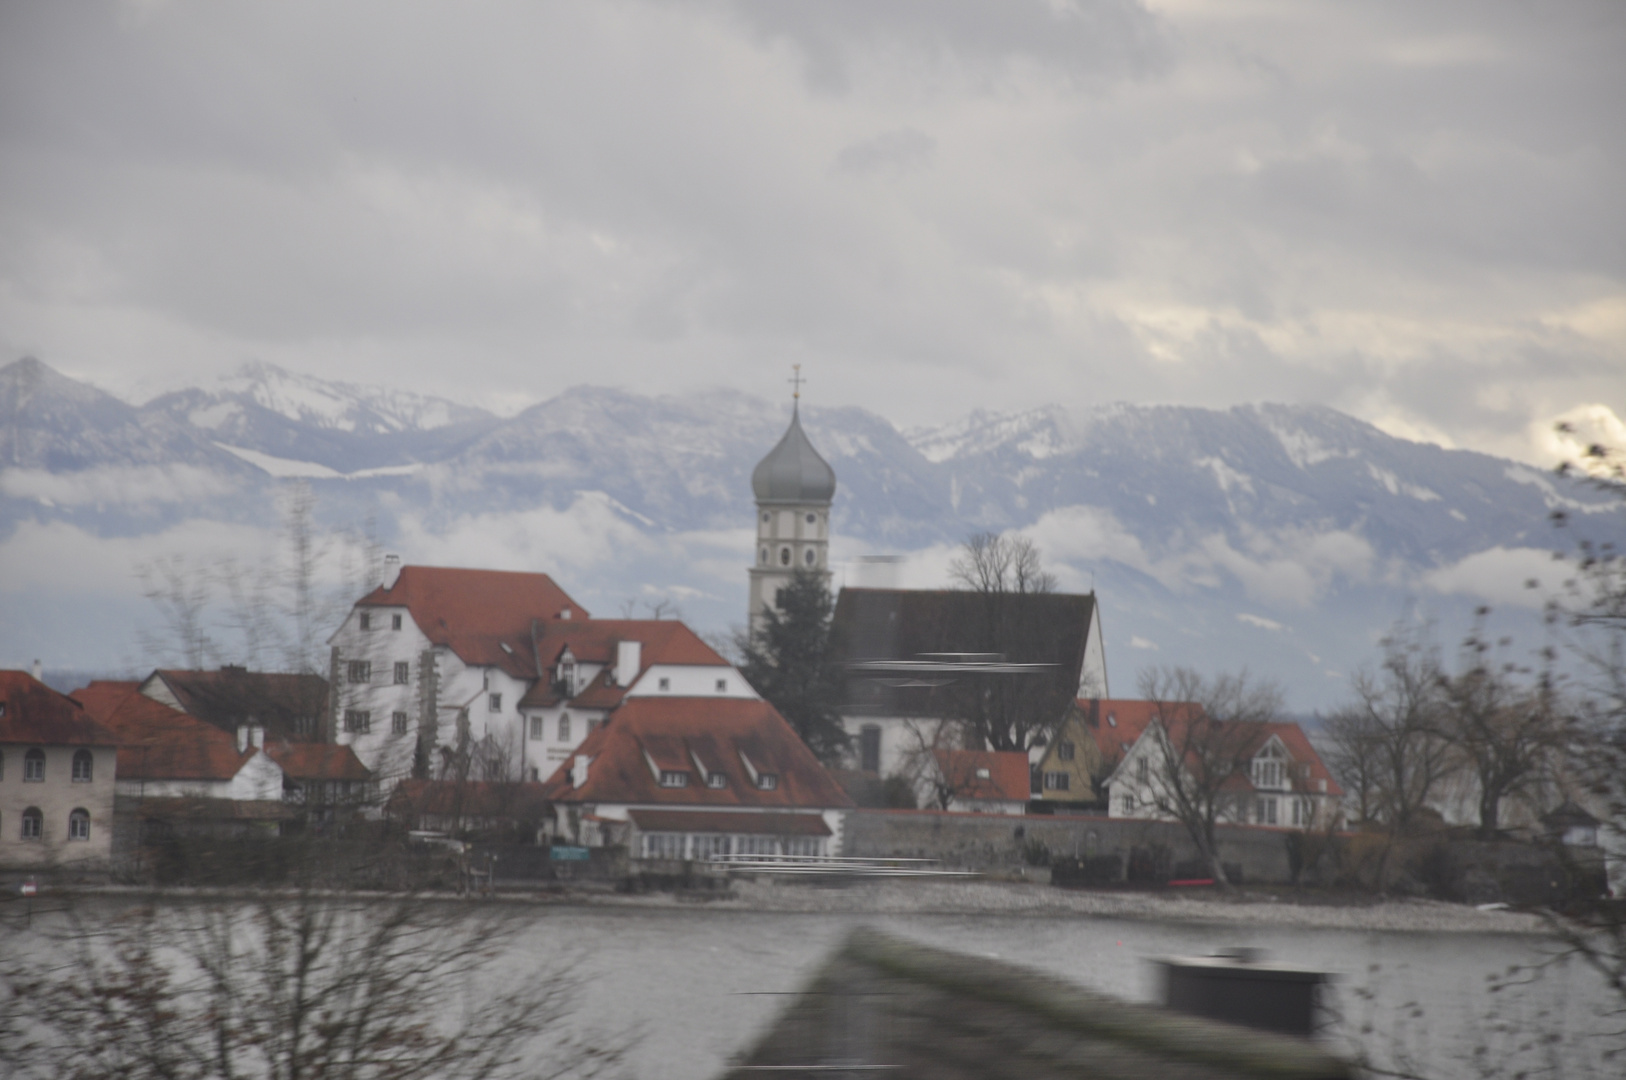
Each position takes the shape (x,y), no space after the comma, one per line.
(999,844)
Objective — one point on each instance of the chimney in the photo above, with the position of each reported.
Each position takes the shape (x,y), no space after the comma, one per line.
(39,671)
(392,571)
(256,736)
(242,738)
(628,655)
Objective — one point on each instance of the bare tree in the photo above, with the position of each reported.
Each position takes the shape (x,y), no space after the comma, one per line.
(181,590)
(1207,732)
(993,563)
(1355,755)
(1506,733)
(283,987)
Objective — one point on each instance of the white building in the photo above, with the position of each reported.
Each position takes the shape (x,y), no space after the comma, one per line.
(497,675)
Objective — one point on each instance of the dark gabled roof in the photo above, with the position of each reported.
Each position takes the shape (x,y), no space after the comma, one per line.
(724,733)
(477,612)
(914,624)
(157,742)
(287,706)
(34,714)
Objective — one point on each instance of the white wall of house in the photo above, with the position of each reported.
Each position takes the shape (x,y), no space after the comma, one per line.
(1132,789)
(549,744)
(56,796)
(692,680)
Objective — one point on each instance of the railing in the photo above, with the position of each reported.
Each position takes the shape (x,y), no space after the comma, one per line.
(832,865)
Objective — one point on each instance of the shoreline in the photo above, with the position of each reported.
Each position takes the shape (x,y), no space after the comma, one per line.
(933,898)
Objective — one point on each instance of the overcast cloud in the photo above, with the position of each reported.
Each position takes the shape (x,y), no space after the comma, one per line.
(1412,212)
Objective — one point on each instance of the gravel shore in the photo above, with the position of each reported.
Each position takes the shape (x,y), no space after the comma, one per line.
(1007,898)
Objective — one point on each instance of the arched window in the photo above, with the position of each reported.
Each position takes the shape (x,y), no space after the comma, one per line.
(34,766)
(809,557)
(79,824)
(33,823)
(784,556)
(763,559)
(811,519)
(83,765)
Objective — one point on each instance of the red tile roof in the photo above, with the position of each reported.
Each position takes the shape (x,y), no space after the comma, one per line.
(1303,752)
(157,742)
(1117,723)
(1007,779)
(35,714)
(723,732)
(1298,746)
(317,761)
(729,821)
(472,798)
(476,612)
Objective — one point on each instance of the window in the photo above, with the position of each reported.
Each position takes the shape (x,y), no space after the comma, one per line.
(722,686)
(1064,750)
(1265,812)
(1058,781)
(398,723)
(869,748)
(673,778)
(592,726)
(666,684)
(1298,813)
(537,733)
(358,720)
(564,727)
(34,767)
(766,519)
(83,766)
(1143,770)
(808,556)
(663,845)
(403,672)
(762,557)
(1126,805)
(395,622)
(716,780)
(757,845)
(493,703)
(984,774)
(811,519)
(567,678)
(365,621)
(361,671)
(33,823)
(1268,774)
(79,824)
(803,845)
(784,556)
(767,781)
(706,847)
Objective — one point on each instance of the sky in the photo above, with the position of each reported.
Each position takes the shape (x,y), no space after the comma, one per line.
(1410,212)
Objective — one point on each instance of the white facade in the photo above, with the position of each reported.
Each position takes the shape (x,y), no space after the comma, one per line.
(1133,789)
(692,680)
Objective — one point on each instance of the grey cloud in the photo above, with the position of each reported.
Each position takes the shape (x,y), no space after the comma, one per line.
(897,150)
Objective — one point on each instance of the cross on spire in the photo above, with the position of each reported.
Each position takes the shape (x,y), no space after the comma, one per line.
(796,382)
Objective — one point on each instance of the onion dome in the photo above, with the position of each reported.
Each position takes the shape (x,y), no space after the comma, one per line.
(793,472)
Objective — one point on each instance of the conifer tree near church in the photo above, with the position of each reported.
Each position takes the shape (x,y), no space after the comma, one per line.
(785,660)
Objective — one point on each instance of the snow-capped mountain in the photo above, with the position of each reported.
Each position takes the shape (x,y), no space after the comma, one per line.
(1284,538)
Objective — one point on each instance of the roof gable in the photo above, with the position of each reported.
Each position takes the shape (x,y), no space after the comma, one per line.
(33,713)
(156,742)
(285,704)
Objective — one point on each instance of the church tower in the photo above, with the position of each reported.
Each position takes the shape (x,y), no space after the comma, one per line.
(793,487)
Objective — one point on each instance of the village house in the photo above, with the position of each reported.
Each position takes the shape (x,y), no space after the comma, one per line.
(1071,769)
(57,775)
(691,777)
(494,675)
(913,657)
(1283,783)
(180,773)
(980,781)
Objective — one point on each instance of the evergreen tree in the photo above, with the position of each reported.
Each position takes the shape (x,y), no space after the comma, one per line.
(786,662)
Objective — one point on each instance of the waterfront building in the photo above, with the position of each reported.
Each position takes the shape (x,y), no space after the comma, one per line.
(58,768)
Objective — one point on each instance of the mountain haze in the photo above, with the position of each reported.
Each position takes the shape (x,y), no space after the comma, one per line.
(1286,538)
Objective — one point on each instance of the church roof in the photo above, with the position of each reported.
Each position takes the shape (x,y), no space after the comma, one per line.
(793,472)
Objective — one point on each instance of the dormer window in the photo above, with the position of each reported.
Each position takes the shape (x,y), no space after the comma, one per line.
(722,686)
(984,774)
(767,781)
(395,622)
(665,683)
(567,677)
(716,780)
(674,778)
